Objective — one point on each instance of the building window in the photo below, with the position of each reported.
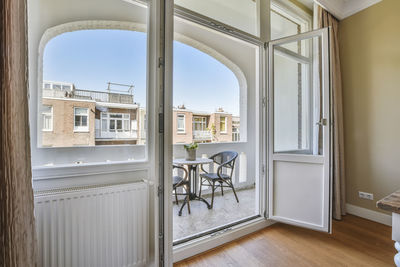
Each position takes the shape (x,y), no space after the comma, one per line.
(81,118)
(199,124)
(222,124)
(47,115)
(235,134)
(115,122)
(181,123)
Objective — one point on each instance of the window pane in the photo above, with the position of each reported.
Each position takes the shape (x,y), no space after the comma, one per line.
(181,123)
(119,124)
(77,120)
(104,125)
(92,66)
(281,26)
(112,124)
(84,120)
(292,101)
(126,125)
(81,111)
(115,115)
(240,14)
(222,124)
(46,109)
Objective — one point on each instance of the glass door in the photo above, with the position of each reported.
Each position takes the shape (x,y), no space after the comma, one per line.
(299,174)
(215,106)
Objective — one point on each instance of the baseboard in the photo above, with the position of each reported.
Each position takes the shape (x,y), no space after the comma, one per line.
(369,214)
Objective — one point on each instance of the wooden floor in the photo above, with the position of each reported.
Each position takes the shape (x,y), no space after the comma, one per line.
(354,242)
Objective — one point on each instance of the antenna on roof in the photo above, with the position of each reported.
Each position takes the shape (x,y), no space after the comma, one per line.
(129,90)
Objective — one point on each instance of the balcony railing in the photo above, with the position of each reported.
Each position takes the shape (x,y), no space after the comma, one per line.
(104,96)
(116,135)
(90,95)
(202,135)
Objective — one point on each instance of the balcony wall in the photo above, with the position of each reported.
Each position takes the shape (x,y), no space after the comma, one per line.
(116,135)
(202,135)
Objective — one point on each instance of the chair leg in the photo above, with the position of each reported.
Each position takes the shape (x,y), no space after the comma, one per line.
(234,192)
(212,195)
(176,198)
(222,188)
(188,199)
(201,183)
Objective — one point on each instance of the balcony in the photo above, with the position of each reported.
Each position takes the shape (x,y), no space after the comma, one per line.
(202,135)
(226,210)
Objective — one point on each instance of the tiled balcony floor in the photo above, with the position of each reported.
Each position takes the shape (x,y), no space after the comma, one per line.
(225,210)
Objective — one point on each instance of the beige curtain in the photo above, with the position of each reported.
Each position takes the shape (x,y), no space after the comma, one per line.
(17,230)
(325,19)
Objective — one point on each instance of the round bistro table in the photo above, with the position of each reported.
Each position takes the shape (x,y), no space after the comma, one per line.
(193,174)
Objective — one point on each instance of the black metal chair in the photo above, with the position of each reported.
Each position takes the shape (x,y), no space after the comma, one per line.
(184,182)
(225,160)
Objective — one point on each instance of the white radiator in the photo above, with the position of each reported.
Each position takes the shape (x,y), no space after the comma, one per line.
(97,226)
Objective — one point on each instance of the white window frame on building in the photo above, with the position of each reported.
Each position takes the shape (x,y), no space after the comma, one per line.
(201,122)
(235,134)
(183,118)
(47,116)
(106,119)
(81,128)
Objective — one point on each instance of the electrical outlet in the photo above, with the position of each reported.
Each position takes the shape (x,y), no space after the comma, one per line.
(365,195)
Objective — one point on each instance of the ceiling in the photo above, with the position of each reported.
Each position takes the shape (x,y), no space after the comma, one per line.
(341,8)
(307,3)
(345,8)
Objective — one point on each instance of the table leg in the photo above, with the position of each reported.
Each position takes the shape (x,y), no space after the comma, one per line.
(192,178)
(193,185)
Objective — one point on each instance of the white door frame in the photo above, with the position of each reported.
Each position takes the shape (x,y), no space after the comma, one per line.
(324,159)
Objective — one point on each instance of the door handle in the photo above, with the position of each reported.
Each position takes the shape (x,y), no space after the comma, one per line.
(322,122)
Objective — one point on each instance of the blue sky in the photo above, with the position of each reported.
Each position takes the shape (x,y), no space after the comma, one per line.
(91,58)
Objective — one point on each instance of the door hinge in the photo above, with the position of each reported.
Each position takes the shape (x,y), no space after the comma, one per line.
(160,62)
(161,259)
(263,169)
(264,101)
(265,45)
(322,122)
(159,190)
(160,122)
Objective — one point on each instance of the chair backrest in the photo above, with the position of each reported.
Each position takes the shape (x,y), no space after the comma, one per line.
(225,159)
(174,166)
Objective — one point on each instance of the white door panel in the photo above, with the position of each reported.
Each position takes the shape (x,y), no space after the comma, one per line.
(294,196)
(299,172)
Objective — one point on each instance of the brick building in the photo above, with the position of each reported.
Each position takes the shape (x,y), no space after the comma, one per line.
(203,127)
(74,117)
